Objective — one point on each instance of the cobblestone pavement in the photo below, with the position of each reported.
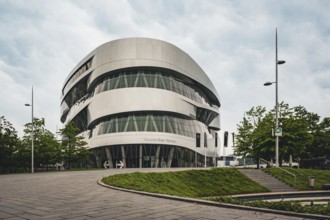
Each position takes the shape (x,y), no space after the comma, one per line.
(76,195)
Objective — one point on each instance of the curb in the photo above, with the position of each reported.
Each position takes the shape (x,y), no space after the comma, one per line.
(210,203)
(302,195)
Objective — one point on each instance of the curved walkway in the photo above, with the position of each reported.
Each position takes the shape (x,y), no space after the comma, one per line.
(76,195)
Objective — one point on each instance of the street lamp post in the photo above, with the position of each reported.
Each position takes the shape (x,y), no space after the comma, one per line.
(205,146)
(277,62)
(32,134)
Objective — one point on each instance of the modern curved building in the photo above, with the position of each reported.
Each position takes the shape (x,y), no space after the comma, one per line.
(144,102)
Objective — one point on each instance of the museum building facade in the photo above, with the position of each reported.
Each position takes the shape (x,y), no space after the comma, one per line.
(144,103)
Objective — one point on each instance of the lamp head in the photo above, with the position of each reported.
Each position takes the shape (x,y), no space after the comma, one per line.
(268,83)
(279,62)
(27,105)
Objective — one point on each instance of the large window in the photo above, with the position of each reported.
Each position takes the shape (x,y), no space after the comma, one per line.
(76,93)
(146,154)
(152,79)
(150,121)
(205,115)
(80,121)
(83,68)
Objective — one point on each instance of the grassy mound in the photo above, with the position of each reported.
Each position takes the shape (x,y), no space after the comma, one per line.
(321,177)
(191,183)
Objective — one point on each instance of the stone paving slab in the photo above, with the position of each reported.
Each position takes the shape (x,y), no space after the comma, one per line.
(76,195)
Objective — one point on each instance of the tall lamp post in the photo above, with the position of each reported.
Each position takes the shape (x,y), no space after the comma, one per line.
(32,134)
(278,130)
(205,146)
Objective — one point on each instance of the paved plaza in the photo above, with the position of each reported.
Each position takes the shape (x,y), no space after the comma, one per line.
(76,195)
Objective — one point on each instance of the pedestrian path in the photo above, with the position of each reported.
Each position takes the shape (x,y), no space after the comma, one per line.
(76,195)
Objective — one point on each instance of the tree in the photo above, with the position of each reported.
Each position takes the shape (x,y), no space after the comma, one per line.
(296,124)
(321,141)
(46,147)
(299,127)
(73,145)
(254,134)
(8,142)
(262,139)
(243,143)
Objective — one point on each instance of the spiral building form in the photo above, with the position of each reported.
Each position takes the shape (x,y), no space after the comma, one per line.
(144,103)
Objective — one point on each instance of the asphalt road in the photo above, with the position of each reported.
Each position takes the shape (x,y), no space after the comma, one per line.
(76,195)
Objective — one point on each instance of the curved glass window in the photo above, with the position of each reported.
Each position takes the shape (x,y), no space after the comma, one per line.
(151,79)
(80,121)
(86,66)
(145,155)
(152,122)
(76,93)
(205,115)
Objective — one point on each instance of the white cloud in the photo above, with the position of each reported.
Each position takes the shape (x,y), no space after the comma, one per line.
(233,41)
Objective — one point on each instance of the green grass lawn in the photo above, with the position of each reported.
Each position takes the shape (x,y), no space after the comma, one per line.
(216,184)
(321,177)
(191,183)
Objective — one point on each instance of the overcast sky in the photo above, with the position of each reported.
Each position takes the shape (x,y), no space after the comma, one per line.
(233,42)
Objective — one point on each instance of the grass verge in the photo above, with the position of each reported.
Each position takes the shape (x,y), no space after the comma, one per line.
(191,183)
(215,185)
(321,177)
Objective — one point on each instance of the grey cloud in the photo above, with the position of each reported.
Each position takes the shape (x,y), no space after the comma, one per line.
(233,41)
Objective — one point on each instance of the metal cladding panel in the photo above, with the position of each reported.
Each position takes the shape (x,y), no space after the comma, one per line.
(137,99)
(135,52)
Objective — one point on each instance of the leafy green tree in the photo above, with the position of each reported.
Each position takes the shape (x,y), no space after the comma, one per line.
(299,129)
(22,156)
(73,146)
(321,141)
(46,147)
(254,134)
(8,142)
(244,140)
(296,124)
(263,145)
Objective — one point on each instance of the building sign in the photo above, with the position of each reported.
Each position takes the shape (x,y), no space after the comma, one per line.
(159,140)
(278,131)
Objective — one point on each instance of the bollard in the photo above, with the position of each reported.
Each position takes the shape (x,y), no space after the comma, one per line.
(311,181)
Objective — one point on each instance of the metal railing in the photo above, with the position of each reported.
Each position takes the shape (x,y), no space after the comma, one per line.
(261,159)
(292,174)
(288,172)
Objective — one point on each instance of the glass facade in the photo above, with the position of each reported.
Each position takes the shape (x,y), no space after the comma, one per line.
(205,116)
(151,122)
(151,79)
(138,78)
(83,68)
(80,121)
(76,93)
(150,155)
